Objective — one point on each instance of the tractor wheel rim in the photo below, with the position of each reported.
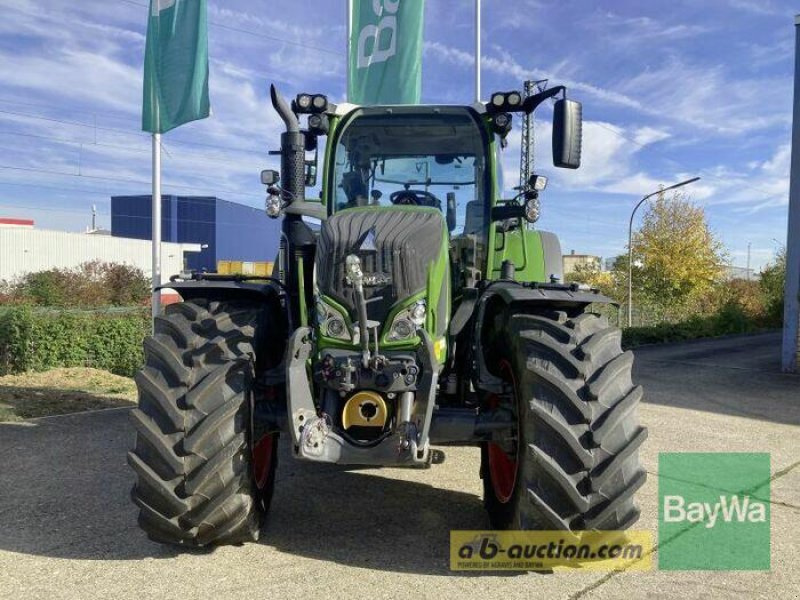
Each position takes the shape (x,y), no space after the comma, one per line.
(502,467)
(262,460)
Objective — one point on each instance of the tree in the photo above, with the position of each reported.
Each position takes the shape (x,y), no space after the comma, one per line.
(591,275)
(772,282)
(677,259)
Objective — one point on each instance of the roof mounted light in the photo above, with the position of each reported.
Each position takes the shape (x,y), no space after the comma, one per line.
(310,103)
(320,102)
(504,102)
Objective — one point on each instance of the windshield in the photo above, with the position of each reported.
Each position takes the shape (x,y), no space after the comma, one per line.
(434,159)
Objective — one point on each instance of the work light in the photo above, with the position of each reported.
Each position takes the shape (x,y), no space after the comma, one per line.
(303,101)
(538,182)
(273,206)
(320,102)
(532,210)
(318,124)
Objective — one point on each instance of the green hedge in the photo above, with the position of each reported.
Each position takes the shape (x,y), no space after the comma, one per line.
(36,340)
(731,319)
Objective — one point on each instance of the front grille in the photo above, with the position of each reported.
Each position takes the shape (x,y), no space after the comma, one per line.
(395,245)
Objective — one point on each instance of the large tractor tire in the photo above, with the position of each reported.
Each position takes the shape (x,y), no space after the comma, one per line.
(201,477)
(572,463)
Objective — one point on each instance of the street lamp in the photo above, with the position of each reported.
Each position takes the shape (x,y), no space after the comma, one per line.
(630,240)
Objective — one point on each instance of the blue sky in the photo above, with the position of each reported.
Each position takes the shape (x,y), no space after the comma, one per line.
(670,90)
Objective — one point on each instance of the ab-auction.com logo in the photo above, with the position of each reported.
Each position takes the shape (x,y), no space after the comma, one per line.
(714,511)
(544,550)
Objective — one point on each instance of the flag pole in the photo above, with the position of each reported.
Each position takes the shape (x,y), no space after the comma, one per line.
(477,50)
(156,223)
(349,37)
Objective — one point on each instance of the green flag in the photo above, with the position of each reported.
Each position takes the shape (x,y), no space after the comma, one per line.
(175,65)
(385,52)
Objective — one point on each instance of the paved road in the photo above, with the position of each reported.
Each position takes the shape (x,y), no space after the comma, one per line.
(67,529)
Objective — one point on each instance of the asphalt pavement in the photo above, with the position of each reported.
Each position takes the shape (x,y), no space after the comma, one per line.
(68,528)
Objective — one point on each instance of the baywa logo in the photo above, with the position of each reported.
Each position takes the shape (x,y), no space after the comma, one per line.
(729,508)
(714,511)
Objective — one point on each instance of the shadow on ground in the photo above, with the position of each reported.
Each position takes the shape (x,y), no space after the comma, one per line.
(736,376)
(19,403)
(66,495)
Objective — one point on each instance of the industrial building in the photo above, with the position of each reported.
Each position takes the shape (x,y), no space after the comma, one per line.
(25,249)
(572,261)
(226,231)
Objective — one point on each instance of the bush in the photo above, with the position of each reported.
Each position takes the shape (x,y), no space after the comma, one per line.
(91,285)
(730,319)
(37,340)
(773,279)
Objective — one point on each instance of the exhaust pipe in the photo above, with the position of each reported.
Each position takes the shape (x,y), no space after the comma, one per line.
(282,108)
(298,240)
(293,151)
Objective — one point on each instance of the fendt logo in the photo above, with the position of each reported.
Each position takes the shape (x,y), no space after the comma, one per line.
(386,11)
(729,508)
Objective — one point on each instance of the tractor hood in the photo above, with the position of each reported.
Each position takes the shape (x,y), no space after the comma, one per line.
(404,257)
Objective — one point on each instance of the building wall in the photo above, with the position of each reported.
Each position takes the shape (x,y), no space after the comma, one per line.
(193,220)
(30,250)
(227,230)
(245,233)
(571,261)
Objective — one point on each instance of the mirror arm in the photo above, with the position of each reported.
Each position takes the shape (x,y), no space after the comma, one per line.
(307,209)
(532,102)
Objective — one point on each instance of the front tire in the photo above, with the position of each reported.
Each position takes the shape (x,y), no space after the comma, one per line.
(201,478)
(574,451)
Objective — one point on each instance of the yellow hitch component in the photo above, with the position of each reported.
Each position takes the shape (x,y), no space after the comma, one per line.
(365,409)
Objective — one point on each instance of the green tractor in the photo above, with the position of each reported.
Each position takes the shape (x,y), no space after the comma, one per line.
(422,310)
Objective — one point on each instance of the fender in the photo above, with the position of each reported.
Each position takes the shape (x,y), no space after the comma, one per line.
(499,295)
(228,288)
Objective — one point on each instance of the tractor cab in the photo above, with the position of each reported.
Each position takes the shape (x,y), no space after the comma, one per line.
(436,157)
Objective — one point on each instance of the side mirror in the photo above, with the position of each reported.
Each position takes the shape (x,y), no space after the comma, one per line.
(567,133)
(311,173)
(270,177)
(451,211)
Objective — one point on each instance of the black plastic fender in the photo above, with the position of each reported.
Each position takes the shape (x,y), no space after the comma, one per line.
(499,295)
(224,289)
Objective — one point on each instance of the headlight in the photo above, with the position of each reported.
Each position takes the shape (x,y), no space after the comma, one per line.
(406,322)
(402,329)
(331,322)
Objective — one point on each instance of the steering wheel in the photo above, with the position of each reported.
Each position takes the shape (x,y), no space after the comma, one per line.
(414,198)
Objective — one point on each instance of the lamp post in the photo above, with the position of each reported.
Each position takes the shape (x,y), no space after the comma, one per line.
(630,240)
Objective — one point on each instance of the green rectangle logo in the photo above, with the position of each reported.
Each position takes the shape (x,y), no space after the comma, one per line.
(714,511)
